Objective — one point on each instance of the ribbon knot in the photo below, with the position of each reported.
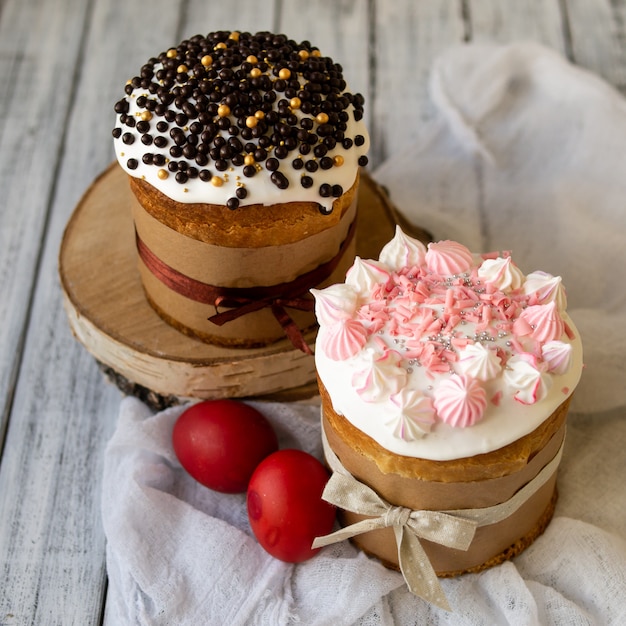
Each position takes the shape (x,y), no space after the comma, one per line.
(396,516)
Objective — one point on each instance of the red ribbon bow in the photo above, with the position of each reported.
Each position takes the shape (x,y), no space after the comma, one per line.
(243,300)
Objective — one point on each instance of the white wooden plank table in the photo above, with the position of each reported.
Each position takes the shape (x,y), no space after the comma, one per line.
(63,64)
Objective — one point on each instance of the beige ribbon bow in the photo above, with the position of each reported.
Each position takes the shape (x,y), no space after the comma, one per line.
(454,529)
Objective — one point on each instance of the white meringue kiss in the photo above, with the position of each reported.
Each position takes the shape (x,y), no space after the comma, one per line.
(378,376)
(402,251)
(364,274)
(546,288)
(502,273)
(558,356)
(415,414)
(479,362)
(524,376)
(334,303)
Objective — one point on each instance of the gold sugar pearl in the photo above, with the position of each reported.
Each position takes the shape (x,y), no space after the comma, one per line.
(171,53)
(216,181)
(248,160)
(207,60)
(163,174)
(338,160)
(252,59)
(220,46)
(251,121)
(295,103)
(234,35)
(316,53)
(182,68)
(284,73)
(223,110)
(145,116)
(255,72)
(322,118)
(259,114)
(303,54)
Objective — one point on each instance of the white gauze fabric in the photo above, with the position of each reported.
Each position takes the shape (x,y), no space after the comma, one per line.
(525,156)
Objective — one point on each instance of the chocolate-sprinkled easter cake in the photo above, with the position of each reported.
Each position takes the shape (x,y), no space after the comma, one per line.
(243,152)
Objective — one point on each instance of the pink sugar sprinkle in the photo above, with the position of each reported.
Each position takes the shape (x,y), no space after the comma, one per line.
(381,344)
(452,322)
(565,390)
(517,345)
(450,296)
(435,327)
(569,332)
(496,398)
(376,325)
(460,342)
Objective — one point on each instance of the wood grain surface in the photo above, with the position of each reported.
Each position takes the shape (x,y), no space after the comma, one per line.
(63,63)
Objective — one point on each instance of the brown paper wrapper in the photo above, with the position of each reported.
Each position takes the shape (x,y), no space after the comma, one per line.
(235,268)
(492,544)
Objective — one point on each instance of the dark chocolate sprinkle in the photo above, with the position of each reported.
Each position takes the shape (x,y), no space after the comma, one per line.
(325,190)
(280,180)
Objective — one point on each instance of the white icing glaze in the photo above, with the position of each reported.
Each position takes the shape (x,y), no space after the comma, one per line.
(464,329)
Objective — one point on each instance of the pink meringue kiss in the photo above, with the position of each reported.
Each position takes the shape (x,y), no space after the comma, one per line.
(460,401)
(343,339)
(448,258)
(542,322)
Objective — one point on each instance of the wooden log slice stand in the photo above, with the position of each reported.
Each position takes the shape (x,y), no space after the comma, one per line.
(109,314)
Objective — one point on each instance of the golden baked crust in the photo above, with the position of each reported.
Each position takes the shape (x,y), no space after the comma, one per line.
(252,226)
(502,462)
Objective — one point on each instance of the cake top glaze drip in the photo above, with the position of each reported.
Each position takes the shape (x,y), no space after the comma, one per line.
(439,353)
(236,118)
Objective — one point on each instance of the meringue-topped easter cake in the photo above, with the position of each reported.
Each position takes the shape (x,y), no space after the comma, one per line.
(445,379)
